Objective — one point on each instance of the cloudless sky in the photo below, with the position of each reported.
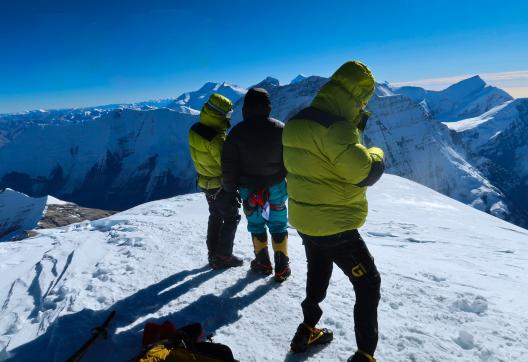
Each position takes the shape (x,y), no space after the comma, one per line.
(87,52)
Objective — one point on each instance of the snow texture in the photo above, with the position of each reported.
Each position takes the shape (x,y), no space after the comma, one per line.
(453,284)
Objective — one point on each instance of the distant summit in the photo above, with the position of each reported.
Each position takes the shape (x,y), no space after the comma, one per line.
(298,78)
(267,83)
(196,99)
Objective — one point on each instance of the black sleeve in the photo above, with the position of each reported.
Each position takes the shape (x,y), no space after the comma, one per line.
(229,164)
(376,170)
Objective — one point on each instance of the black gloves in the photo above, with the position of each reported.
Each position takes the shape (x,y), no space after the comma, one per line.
(363,118)
(226,199)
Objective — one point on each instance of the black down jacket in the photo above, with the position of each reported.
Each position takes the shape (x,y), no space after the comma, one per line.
(252,153)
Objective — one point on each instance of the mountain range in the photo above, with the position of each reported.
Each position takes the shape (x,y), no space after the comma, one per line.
(467,142)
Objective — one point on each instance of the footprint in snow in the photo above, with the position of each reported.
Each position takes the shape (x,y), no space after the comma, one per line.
(465,340)
(420,241)
(101,274)
(381,234)
(434,278)
(478,306)
(106,225)
(506,251)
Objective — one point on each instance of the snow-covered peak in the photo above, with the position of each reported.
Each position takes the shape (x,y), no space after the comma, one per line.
(298,78)
(466,87)
(383,90)
(268,83)
(468,98)
(196,99)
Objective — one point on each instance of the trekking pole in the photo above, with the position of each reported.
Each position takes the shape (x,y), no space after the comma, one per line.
(97,332)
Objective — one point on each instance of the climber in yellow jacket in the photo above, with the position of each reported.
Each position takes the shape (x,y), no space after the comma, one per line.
(206,139)
(329,171)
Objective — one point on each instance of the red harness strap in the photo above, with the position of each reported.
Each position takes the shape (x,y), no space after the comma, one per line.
(261,198)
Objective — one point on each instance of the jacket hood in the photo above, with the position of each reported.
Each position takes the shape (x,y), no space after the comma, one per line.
(257,105)
(347,92)
(216,112)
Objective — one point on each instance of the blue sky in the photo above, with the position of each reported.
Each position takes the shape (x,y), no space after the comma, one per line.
(79,53)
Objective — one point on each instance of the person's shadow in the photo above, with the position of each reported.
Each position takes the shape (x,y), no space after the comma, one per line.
(66,334)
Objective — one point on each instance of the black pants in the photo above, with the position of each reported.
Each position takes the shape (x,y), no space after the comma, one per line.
(349,252)
(222,226)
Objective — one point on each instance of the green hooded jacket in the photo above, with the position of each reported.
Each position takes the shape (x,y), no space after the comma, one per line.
(206,139)
(328,167)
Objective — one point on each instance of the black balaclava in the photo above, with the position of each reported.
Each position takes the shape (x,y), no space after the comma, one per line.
(257,105)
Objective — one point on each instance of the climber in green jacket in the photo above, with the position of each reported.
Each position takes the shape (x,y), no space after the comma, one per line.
(329,171)
(206,139)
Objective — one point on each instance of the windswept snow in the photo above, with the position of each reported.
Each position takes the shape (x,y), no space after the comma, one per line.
(453,284)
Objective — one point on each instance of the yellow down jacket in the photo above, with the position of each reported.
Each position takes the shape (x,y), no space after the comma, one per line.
(206,139)
(328,167)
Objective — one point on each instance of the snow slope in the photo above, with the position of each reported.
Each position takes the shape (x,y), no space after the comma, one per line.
(453,284)
(18,213)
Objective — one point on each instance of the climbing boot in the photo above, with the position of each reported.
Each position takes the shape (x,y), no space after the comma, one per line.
(261,264)
(282,267)
(307,336)
(282,262)
(224,262)
(361,356)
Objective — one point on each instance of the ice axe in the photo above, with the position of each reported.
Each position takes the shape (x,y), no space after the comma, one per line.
(100,331)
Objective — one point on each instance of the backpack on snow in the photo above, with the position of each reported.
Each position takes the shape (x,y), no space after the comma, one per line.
(167,343)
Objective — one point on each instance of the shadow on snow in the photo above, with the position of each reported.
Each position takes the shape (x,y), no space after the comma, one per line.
(66,334)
